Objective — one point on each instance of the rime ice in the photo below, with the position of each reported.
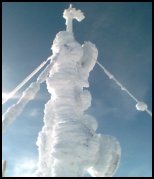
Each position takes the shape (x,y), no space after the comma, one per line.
(141,106)
(68,143)
(16,109)
(70,14)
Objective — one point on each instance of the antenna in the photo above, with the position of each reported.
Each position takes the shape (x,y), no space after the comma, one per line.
(70,14)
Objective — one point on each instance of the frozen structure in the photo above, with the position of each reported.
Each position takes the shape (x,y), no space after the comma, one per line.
(68,143)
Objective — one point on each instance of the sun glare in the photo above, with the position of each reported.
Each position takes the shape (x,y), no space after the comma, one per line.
(4,95)
(7,96)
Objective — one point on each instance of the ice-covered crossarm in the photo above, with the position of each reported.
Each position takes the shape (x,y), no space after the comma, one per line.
(70,14)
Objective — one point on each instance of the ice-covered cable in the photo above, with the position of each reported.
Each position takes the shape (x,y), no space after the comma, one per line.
(16,109)
(29,94)
(149,112)
(13,92)
(140,106)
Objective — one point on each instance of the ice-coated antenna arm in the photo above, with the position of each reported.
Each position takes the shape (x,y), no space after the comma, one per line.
(13,92)
(70,14)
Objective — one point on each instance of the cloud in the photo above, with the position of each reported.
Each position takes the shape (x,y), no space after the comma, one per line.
(24,167)
(34,112)
(101,109)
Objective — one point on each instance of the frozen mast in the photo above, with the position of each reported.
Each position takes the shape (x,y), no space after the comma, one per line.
(70,14)
(68,143)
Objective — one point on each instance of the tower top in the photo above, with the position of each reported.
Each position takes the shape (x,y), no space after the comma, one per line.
(70,14)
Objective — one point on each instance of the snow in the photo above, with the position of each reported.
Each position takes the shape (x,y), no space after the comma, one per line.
(108,157)
(68,144)
(16,109)
(141,106)
(70,14)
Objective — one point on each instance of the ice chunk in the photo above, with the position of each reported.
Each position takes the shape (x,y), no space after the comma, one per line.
(108,157)
(141,106)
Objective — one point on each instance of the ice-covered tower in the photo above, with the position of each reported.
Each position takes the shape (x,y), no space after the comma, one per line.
(68,143)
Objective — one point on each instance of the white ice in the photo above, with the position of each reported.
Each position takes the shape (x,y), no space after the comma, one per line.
(68,143)
(13,92)
(16,109)
(141,106)
(70,14)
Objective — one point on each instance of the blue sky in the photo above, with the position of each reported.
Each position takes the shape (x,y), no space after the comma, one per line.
(122,32)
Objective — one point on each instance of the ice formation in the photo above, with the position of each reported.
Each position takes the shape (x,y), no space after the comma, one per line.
(29,94)
(16,109)
(141,106)
(68,143)
(10,95)
(70,14)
